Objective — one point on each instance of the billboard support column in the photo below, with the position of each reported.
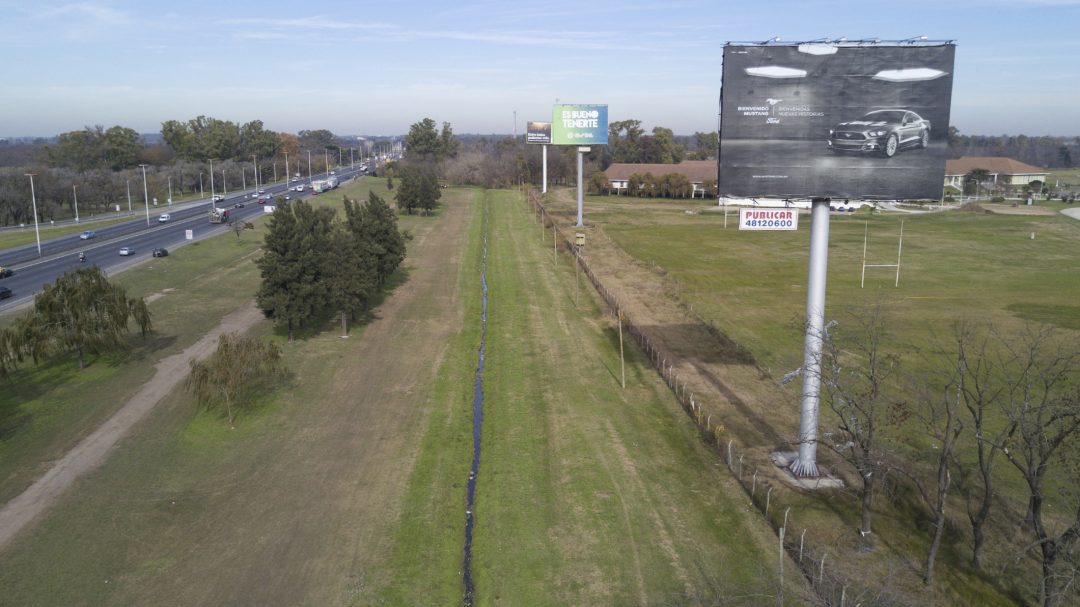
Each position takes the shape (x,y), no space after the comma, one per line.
(544,189)
(580,162)
(805,466)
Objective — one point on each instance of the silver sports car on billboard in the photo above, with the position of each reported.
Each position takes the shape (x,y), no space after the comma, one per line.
(882,132)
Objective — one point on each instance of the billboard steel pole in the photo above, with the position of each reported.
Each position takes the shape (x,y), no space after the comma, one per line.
(544,190)
(806,464)
(580,170)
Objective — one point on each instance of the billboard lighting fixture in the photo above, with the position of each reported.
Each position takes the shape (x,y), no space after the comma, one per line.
(818,48)
(770,40)
(914,39)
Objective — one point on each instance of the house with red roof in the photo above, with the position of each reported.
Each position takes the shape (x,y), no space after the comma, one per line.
(1003,172)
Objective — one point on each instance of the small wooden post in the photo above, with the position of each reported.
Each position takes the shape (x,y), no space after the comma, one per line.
(622,358)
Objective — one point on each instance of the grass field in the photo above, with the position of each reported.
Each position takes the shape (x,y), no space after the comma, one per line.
(1001,270)
(347,486)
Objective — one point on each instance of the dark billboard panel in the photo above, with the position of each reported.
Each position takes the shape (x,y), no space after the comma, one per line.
(838,120)
(538,132)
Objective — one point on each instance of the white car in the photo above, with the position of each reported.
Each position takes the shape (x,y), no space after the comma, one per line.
(164,218)
(218,198)
(125,251)
(299,188)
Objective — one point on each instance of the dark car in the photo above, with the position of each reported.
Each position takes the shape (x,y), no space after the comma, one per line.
(5,292)
(238,205)
(5,272)
(882,132)
(160,252)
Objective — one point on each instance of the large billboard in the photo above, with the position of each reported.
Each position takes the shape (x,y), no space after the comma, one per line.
(538,132)
(579,125)
(840,120)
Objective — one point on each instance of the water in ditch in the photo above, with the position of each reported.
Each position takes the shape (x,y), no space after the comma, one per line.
(478,421)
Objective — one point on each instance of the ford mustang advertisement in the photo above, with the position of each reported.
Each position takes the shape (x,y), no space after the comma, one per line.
(854,120)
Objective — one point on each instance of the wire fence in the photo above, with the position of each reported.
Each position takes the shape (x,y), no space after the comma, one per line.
(830,587)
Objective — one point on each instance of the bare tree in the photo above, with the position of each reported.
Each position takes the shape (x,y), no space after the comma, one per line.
(939,410)
(980,392)
(1042,403)
(855,370)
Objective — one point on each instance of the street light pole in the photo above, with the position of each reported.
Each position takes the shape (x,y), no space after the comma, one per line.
(146,194)
(224,183)
(212,179)
(129,193)
(326,161)
(201,192)
(255,162)
(170,190)
(33,201)
(309,167)
(286,169)
(75,194)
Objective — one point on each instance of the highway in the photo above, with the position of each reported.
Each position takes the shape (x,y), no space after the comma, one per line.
(61,254)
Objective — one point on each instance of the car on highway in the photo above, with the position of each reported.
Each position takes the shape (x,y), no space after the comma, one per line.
(5,292)
(295,179)
(5,272)
(218,197)
(160,252)
(125,251)
(881,132)
(238,205)
(164,218)
(299,188)
(87,235)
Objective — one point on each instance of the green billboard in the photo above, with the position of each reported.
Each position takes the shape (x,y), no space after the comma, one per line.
(579,125)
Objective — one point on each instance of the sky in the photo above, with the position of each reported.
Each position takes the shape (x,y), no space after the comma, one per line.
(374,68)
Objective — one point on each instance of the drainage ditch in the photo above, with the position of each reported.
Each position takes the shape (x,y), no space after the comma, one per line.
(478,421)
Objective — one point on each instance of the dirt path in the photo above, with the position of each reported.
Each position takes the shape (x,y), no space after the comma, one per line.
(93,450)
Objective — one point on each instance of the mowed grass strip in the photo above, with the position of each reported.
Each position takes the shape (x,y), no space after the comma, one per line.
(293,506)
(589,494)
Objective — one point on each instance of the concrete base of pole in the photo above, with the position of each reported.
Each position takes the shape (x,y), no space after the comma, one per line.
(785,459)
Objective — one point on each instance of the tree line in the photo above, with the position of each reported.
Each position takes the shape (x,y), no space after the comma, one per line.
(316,265)
(95,169)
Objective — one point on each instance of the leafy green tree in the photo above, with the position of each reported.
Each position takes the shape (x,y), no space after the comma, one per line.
(598,183)
(292,265)
(81,312)
(352,266)
(676,185)
(448,144)
(114,148)
(422,141)
(258,141)
(318,140)
(418,190)
(376,224)
(706,145)
(974,178)
(235,373)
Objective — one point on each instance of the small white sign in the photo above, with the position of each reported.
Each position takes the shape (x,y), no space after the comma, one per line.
(189,234)
(268,209)
(768,219)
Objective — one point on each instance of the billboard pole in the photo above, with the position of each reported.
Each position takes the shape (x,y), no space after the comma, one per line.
(544,190)
(805,466)
(580,155)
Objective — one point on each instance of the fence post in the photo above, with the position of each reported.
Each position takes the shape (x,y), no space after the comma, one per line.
(780,587)
(753,490)
(821,569)
(729,452)
(801,538)
(768,499)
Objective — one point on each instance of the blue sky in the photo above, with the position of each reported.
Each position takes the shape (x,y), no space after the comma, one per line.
(377,67)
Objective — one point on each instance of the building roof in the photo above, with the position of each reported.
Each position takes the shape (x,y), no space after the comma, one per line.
(995,164)
(697,171)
